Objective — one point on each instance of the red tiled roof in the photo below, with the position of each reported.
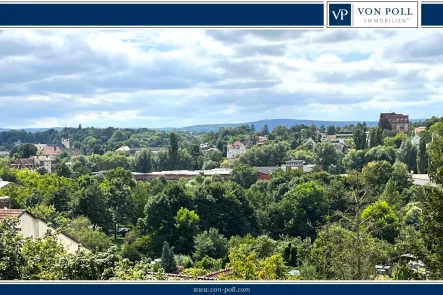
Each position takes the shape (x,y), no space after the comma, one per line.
(173,276)
(208,277)
(215,275)
(233,146)
(14,213)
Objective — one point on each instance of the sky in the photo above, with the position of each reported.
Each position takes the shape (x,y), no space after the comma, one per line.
(180,77)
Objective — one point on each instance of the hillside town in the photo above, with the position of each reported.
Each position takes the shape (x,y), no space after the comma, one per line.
(193,205)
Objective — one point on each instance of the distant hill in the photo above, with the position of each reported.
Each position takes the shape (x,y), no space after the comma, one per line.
(33,130)
(280,122)
(274,123)
(257,124)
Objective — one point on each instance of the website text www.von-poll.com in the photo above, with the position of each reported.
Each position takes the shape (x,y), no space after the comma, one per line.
(222,290)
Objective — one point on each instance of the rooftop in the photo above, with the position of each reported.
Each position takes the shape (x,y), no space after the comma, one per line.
(4,183)
(13,213)
(219,171)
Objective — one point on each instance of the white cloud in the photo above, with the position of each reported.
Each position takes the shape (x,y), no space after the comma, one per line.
(176,77)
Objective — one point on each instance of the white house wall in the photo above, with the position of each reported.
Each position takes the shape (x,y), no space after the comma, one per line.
(33,228)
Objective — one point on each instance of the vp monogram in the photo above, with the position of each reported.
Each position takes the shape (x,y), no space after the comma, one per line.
(341,13)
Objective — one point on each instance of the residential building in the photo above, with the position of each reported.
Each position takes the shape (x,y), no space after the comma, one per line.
(4,154)
(262,139)
(204,146)
(3,183)
(395,122)
(236,149)
(265,173)
(294,164)
(342,136)
(340,147)
(213,149)
(339,137)
(66,143)
(311,142)
(5,202)
(417,130)
(249,141)
(40,146)
(33,227)
(178,174)
(133,151)
(58,149)
(33,163)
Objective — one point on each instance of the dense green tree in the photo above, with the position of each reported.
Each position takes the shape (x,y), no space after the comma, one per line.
(40,170)
(244,175)
(187,225)
(435,168)
(304,208)
(90,201)
(326,155)
(375,137)
(210,243)
(432,230)
(400,174)
(118,188)
(396,140)
(11,258)
(173,150)
(407,153)
(168,261)
(354,160)
(322,128)
(267,155)
(377,173)
(305,155)
(265,130)
(61,198)
(225,206)
(347,254)
(381,153)
(359,137)
(382,221)
(118,137)
(196,154)
(26,150)
(331,130)
(141,194)
(80,228)
(160,211)
(143,161)
(44,259)
(62,170)
(346,250)
(422,157)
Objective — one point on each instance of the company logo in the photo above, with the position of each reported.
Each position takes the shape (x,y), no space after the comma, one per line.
(340,14)
(375,14)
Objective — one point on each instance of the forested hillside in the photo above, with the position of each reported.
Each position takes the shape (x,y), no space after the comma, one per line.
(361,211)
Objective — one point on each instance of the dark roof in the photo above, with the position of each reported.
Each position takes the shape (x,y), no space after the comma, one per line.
(267,170)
